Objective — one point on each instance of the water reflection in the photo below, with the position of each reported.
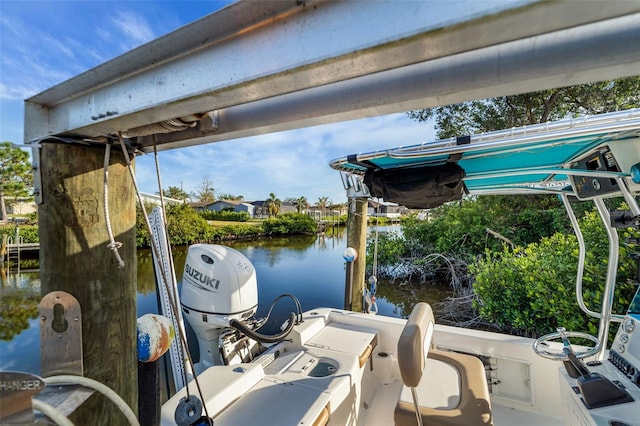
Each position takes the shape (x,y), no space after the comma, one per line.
(19,298)
(19,325)
(400,298)
(310,267)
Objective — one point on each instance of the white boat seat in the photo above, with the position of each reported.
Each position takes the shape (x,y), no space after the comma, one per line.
(450,389)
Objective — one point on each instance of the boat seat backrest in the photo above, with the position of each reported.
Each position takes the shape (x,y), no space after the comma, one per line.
(466,391)
(414,343)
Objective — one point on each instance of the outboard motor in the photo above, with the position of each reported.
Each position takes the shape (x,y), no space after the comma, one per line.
(219,299)
(219,285)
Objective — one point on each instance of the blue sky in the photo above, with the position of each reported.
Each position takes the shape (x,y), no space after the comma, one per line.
(43,43)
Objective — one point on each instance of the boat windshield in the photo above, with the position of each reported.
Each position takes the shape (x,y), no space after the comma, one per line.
(634,307)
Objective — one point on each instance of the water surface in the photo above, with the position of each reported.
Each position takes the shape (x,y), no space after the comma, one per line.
(309,267)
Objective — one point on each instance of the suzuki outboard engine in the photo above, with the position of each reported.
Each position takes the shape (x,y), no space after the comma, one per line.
(219,298)
(219,285)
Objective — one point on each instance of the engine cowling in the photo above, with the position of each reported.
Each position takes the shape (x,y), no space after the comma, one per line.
(219,284)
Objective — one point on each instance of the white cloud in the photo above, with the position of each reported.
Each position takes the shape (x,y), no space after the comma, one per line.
(13,92)
(135,29)
(59,46)
(103,34)
(34,59)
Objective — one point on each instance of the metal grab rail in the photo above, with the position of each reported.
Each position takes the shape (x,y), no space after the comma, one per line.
(581,256)
(628,196)
(522,137)
(610,285)
(516,138)
(606,316)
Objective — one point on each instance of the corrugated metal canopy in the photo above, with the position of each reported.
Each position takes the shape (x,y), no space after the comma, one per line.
(583,157)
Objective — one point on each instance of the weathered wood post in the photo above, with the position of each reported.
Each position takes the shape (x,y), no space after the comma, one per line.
(357,238)
(74,257)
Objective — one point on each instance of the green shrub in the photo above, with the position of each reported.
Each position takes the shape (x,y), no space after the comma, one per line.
(184,226)
(225,215)
(391,248)
(532,290)
(236,231)
(375,220)
(289,223)
(29,233)
(461,228)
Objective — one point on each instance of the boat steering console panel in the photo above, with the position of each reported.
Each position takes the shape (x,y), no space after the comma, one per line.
(610,393)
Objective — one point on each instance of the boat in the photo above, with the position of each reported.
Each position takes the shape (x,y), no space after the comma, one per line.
(333,366)
(338,367)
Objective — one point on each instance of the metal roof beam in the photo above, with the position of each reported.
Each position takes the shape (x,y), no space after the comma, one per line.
(512,68)
(270,66)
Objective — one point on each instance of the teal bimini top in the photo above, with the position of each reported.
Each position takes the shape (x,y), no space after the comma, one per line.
(584,157)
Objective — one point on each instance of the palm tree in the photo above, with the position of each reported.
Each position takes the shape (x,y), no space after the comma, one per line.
(301,203)
(273,205)
(175,192)
(322,204)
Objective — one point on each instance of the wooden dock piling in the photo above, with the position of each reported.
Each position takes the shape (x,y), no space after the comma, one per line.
(74,257)
(357,238)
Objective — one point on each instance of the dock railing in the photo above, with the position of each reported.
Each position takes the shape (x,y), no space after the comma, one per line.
(11,250)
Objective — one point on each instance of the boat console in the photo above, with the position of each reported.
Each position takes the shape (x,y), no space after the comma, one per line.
(608,393)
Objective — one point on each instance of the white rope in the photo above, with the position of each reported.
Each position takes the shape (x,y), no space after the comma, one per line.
(95,385)
(52,412)
(113,244)
(174,305)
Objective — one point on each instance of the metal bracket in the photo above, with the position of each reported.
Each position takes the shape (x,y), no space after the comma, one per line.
(624,219)
(16,390)
(37,177)
(354,186)
(60,335)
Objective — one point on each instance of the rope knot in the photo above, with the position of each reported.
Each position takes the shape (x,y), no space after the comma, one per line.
(114,245)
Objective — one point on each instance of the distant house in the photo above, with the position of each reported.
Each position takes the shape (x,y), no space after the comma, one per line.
(21,206)
(262,208)
(221,205)
(384,209)
(232,205)
(318,213)
(201,206)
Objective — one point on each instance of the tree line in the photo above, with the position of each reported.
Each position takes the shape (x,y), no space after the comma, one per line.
(187,226)
(206,193)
